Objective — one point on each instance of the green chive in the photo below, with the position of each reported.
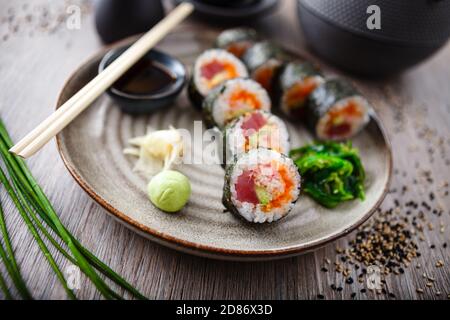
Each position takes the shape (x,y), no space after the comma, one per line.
(4,288)
(33,194)
(23,208)
(10,261)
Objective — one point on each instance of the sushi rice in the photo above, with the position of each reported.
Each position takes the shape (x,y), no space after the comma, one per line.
(344,119)
(236,41)
(297,81)
(261,186)
(258,129)
(337,111)
(232,99)
(215,66)
(264,60)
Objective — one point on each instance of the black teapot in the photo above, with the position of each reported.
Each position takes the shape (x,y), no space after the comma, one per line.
(375,37)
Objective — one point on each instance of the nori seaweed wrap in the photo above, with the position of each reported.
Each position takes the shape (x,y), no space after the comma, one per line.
(296,82)
(257,129)
(262,185)
(208,103)
(232,99)
(237,40)
(194,95)
(264,61)
(336,110)
(211,68)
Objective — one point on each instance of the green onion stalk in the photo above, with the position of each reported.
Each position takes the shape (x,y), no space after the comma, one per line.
(10,263)
(41,218)
(4,288)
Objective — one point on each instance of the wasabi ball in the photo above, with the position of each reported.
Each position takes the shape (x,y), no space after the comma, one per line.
(169,190)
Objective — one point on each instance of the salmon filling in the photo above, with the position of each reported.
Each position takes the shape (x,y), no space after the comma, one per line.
(239,48)
(295,97)
(259,133)
(264,74)
(242,101)
(268,185)
(216,72)
(342,120)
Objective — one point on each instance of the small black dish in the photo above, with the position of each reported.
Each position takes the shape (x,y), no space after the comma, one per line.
(234,11)
(140,103)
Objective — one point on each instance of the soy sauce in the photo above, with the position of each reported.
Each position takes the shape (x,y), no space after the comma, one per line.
(145,77)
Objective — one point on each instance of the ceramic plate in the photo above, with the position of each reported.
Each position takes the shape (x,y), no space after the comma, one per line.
(91,148)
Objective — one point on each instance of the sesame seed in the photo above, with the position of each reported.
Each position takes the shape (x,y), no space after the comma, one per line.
(390,241)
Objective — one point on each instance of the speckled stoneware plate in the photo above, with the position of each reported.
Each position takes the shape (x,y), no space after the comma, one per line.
(91,148)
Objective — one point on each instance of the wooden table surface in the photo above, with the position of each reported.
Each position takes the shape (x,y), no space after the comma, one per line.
(38,52)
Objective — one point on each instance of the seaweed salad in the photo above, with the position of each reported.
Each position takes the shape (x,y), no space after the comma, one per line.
(331,172)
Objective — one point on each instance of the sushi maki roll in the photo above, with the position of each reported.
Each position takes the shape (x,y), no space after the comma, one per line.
(232,99)
(297,81)
(212,68)
(237,40)
(264,61)
(261,186)
(336,111)
(258,129)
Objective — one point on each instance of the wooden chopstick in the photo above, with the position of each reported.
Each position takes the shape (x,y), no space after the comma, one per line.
(51,126)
